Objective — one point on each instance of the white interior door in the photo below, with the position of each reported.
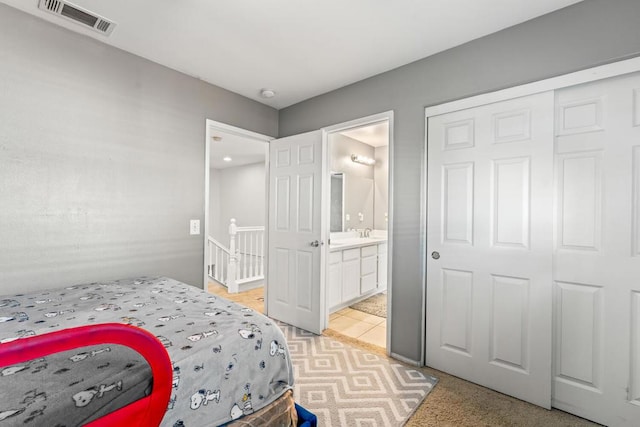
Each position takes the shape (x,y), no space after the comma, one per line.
(295,191)
(489,242)
(597,251)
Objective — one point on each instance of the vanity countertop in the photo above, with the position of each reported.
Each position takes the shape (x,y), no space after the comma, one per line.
(354,242)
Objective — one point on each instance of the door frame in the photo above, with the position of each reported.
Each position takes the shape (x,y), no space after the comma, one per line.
(210,127)
(600,72)
(326,176)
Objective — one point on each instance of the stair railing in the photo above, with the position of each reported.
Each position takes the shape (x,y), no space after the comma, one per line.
(219,257)
(243,261)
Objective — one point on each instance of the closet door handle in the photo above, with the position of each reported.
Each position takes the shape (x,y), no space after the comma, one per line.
(435,255)
(315,243)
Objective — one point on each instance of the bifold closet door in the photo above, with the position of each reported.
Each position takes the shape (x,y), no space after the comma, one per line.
(597,251)
(490,245)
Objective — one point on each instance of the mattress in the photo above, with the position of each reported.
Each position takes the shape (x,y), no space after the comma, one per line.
(281,413)
(228,360)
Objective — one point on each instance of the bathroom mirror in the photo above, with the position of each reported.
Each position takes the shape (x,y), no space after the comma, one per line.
(351,202)
(358,202)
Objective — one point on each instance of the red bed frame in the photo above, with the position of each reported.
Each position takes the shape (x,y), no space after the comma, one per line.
(145,412)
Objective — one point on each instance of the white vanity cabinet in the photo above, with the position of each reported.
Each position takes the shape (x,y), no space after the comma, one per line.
(368,268)
(334,279)
(350,274)
(355,273)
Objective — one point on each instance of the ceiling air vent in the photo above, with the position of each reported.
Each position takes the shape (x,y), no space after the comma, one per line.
(79,15)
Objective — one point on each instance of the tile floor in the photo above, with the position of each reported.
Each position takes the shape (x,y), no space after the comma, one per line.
(361,326)
(352,323)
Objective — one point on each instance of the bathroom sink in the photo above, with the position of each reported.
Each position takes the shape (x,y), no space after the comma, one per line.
(356,241)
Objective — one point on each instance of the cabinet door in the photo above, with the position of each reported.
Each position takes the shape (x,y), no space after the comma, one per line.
(334,288)
(368,269)
(367,283)
(350,279)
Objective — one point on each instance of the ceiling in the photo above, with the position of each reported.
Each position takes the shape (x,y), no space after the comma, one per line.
(376,135)
(241,149)
(299,49)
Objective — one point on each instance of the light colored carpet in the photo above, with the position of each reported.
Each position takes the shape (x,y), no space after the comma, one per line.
(376,305)
(348,386)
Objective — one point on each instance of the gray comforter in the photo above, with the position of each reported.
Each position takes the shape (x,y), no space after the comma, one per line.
(228,360)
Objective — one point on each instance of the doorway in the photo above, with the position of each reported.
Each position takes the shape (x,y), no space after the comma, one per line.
(236,213)
(297,193)
(357,273)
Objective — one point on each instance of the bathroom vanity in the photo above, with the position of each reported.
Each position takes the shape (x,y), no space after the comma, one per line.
(357,270)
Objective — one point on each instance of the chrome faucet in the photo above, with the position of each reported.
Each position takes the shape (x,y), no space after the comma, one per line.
(367,232)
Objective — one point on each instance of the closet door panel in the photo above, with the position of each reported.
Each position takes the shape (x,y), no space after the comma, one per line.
(489,237)
(597,267)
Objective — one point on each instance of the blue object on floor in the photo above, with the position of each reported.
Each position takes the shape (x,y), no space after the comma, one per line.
(306,418)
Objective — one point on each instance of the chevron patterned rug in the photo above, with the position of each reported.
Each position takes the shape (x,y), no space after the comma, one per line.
(347,386)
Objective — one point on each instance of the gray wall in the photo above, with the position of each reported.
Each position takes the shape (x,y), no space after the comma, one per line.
(241,193)
(589,33)
(102,159)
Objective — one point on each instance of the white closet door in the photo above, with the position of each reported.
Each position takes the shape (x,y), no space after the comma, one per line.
(489,240)
(597,251)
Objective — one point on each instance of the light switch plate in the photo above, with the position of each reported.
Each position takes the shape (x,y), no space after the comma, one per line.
(194,227)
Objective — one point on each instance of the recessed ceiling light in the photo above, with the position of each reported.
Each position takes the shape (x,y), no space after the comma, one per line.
(226,158)
(267,93)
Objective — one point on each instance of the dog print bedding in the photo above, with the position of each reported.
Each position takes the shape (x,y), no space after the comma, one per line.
(228,360)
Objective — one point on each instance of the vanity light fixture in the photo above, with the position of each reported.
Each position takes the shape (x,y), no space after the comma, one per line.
(357,158)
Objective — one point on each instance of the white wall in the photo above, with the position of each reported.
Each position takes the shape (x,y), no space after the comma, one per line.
(340,150)
(238,193)
(215,211)
(358,180)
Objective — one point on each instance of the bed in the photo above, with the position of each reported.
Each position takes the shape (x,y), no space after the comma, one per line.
(228,363)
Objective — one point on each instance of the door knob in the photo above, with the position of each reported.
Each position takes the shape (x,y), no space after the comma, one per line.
(315,243)
(435,255)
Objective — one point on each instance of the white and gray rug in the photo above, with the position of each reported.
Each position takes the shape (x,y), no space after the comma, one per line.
(347,386)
